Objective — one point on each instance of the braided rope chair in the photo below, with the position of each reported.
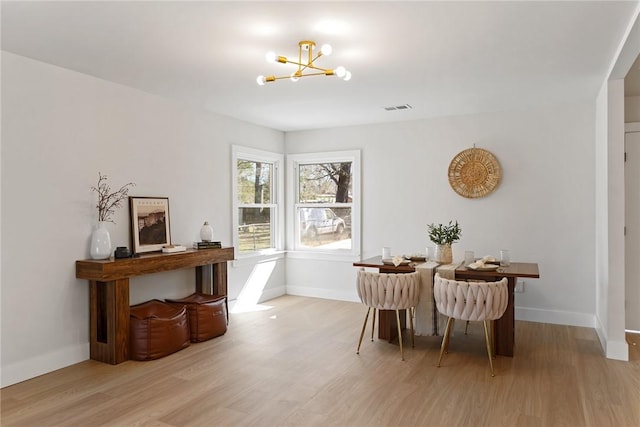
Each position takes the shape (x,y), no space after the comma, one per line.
(384,291)
(470,301)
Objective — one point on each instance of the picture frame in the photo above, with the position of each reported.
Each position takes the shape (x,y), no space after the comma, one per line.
(150,223)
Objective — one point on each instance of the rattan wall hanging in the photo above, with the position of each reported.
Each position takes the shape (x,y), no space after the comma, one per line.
(474,173)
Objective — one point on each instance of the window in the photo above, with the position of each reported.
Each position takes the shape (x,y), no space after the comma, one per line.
(256,188)
(325,203)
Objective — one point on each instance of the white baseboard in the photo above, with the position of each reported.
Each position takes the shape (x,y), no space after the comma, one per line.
(266,295)
(23,370)
(618,350)
(522,313)
(272,293)
(556,317)
(304,291)
(602,334)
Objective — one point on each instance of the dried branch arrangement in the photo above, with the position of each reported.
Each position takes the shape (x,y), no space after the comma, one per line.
(109,201)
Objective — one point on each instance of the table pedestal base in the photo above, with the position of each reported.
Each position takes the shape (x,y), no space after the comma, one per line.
(503,328)
(388,325)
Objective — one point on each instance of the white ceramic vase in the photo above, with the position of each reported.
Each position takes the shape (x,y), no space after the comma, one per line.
(444,254)
(206,232)
(100,242)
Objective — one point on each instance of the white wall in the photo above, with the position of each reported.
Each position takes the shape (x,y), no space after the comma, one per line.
(59,128)
(543,211)
(632,109)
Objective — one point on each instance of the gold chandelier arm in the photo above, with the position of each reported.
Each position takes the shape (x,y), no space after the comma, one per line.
(310,56)
(313,67)
(323,73)
(300,64)
(302,67)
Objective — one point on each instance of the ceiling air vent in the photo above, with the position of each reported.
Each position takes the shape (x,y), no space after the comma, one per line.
(399,107)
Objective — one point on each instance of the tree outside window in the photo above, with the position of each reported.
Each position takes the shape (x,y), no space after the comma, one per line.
(258,189)
(255,206)
(324,205)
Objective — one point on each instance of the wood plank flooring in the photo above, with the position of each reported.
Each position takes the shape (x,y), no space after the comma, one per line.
(294,364)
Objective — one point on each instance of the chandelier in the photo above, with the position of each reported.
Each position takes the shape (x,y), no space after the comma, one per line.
(305,69)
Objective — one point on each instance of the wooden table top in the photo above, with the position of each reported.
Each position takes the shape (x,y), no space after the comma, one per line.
(516,269)
(154,262)
(376,262)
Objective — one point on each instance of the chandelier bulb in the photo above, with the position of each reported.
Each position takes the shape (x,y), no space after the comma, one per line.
(307,68)
(271,56)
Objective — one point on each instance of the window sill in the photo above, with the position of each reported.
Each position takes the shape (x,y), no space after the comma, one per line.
(324,256)
(257,258)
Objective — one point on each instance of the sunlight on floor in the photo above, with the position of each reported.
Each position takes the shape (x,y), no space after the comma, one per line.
(252,290)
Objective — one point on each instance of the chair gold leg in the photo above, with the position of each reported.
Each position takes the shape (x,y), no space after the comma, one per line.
(373,324)
(492,337)
(399,333)
(364,326)
(411,317)
(453,324)
(445,340)
(489,352)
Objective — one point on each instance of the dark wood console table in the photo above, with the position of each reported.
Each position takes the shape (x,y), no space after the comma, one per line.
(109,292)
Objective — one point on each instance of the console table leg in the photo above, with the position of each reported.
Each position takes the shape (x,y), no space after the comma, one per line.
(220,278)
(109,320)
(204,279)
(212,279)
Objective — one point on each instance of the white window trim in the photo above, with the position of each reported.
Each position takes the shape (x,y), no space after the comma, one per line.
(293,160)
(252,154)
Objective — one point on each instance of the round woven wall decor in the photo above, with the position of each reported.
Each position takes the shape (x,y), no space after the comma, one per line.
(474,173)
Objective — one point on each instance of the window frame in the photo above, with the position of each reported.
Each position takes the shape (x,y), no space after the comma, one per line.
(277,197)
(294,249)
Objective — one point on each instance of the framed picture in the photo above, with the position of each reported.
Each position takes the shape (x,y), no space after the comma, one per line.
(150,227)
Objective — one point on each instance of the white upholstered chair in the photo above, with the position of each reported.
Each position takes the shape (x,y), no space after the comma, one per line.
(470,301)
(382,291)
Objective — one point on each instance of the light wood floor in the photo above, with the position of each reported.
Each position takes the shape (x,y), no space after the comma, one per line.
(295,365)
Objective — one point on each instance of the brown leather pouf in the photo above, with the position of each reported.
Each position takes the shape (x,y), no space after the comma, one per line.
(207,315)
(157,329)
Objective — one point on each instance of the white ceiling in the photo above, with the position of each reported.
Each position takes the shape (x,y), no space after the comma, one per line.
(442,58)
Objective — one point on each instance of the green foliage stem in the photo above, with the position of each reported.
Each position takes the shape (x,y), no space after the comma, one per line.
(441,234)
